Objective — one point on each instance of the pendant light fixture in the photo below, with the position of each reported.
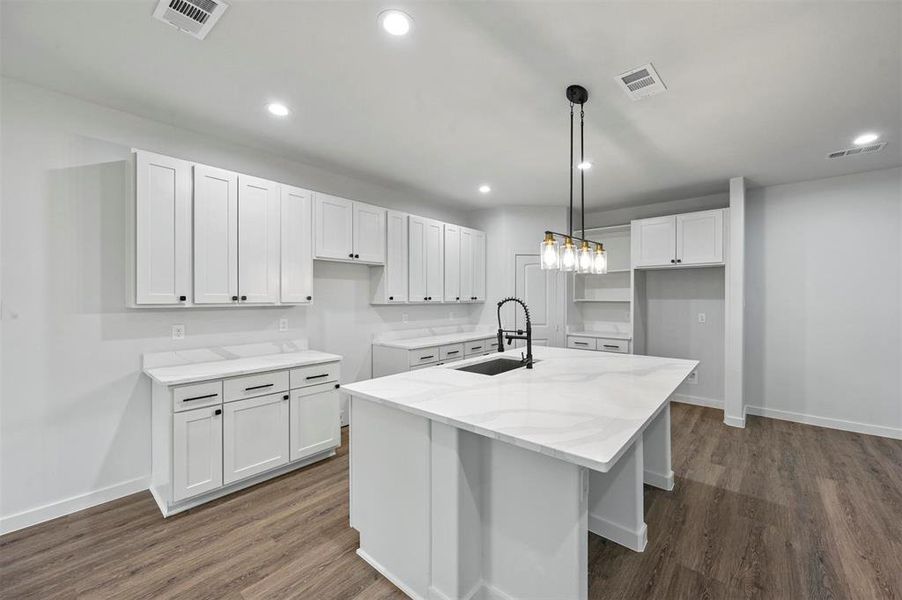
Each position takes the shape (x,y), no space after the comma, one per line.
(567,257)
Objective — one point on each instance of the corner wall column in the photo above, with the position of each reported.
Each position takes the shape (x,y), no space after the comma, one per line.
(734,404)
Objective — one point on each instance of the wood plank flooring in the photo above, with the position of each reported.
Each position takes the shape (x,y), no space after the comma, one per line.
(777,510)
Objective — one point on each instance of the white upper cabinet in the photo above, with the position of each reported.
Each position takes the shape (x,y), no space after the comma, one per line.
(333,227)
(347,230)
(699,237)
(369,233)
(163,229)
(389,284)
(258,240)
(686,239)
(654,241)
(425,259)
(453,263)
(466,264)
(479,266)
(297,246)
(215,236)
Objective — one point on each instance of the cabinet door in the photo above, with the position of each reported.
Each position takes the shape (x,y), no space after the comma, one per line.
(369,233)
(416,258)
(435,260)
(215,235)
(297,246)
(452,263)
(654,241)
(478,266)
(333,227)
(466,265)
(396,257)
(258,240)
(196,452)
(254,436)
(162,229)
(699,237)
(315,420)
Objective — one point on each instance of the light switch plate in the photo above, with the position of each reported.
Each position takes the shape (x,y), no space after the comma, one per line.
(702,318)
(178,332)
(403,317)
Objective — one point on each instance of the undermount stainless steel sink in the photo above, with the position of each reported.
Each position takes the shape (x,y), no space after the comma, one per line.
(495,366)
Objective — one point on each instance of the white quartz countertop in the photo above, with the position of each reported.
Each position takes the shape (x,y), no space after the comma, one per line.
(611,335)
(582,407)
(435,340)
(246,365)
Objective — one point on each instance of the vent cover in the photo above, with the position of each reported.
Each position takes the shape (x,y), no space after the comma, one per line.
(869,149)
(195,17)
(641,82)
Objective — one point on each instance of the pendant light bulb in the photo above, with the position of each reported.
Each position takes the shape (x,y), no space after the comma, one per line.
(585,258)
(550,253)
(600,260)
(568,256)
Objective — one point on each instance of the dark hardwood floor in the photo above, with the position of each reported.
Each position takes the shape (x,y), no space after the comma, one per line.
(777,510)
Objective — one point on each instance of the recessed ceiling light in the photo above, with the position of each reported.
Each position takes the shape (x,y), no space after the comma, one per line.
(277,109)
(866,138)
(484,189)
(395,22)
(584,166)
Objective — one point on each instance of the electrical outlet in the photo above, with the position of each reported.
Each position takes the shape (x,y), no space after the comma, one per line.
(178,332)
(693,378)
(283,324)
(702,318)
(403,317)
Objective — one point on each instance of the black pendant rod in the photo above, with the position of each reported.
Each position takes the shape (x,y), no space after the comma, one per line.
(570,220)
(582,173)
(573,237)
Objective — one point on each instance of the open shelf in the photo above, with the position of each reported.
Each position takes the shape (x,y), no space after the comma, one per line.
(612,287)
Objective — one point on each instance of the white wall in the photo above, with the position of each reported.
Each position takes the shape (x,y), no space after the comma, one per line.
(823,301)
(622,216)
(74,407)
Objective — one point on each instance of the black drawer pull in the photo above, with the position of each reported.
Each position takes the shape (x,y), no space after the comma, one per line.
(610,346)
(316,376)
(476,348)
(182,298)
(425,357)
(218,411)
(285,397)
(200,398)
(258,387)
(581,343)
(452,352)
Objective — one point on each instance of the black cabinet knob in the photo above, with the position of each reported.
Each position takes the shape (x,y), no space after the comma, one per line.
(391,297)
(679,260)
(356,256)
(285,397)
(337,385)
(234,298)
(182,298)
(673,261)
(218,411)
(351,255)
(309,297)
(458,298)
(243,298)
(425,298)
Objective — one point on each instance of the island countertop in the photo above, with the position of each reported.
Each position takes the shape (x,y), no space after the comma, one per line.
(582,407)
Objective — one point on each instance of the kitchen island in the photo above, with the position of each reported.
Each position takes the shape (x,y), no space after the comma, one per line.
(466,485)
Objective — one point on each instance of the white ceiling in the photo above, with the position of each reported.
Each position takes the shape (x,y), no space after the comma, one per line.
(476,93)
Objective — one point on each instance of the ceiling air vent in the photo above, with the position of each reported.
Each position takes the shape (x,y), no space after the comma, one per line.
(195,17)
(869,149)
(641,82)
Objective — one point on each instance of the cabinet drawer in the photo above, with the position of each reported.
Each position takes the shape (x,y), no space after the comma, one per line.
(605,345)
(491,344)
(474,347)
(451,351)
(423,356)
(314,374)
(196,395)
(255,385)
(581,343)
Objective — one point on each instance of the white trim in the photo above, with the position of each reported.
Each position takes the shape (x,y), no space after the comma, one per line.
(475,592)
(490,592)
(697,400)
(634,540)
(33,516)
(385,573)
(842,425)
(734,303)
(664,482)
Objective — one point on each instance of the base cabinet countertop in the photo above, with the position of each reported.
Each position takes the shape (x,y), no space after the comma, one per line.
(223,425)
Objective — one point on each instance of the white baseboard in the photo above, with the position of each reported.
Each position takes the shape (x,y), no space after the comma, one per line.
(734,421)
(664,482)
(388,575)
(697,400)
(68,506)
(634,540)
(853,426)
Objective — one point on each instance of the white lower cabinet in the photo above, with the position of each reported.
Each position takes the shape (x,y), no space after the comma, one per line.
(197,452)
(210,438)
(314,420)
(254,436)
